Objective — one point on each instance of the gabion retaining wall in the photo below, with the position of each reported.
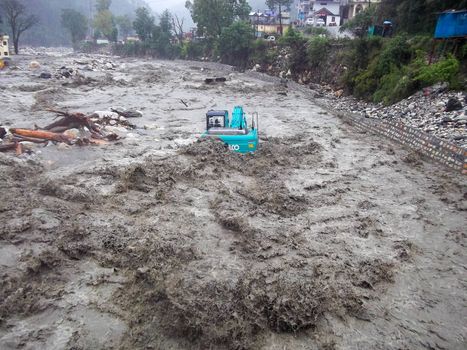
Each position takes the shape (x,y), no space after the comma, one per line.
(446,153)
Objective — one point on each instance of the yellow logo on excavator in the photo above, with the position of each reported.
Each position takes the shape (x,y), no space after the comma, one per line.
(251,145)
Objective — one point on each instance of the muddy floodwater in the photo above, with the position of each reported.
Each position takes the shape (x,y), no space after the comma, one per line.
(326,238)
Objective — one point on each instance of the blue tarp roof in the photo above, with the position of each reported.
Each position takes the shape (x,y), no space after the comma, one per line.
(451,24)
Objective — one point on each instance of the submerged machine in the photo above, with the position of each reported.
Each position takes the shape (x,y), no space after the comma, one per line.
(235,133)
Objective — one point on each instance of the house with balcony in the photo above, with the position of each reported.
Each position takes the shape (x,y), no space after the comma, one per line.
(268,22)
(328,10)
(303,10)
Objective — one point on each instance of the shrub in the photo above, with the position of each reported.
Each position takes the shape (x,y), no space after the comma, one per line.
(395,52)
(261,53)
(298,60)
(317,31)
(445,70)
(394,86)
(194,50)
(318,51)
(421,42)
(235,42)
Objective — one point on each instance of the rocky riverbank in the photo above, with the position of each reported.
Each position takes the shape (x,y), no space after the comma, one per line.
(435,110)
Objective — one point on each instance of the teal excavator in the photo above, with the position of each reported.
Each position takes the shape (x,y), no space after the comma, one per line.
(235,133)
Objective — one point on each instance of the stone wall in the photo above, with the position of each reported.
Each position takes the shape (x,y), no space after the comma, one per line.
(448,154)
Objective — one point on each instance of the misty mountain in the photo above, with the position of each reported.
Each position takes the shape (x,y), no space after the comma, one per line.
(49,32)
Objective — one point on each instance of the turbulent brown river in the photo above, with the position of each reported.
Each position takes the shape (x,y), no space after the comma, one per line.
(326,238)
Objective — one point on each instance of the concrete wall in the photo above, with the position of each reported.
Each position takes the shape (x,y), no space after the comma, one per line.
(446,153)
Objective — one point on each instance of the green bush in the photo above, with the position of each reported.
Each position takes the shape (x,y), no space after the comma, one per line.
(395,52)
(445,70)
(365,84)
(292,38)
(317,31)
(262,53)
(235,42)
(193,50)
(394,86)
(384,63)
(421,43)
(318,51)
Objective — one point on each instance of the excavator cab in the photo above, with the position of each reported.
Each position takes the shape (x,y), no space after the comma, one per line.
(235,133)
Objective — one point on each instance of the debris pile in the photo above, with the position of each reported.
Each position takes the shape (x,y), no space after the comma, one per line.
(434,110)
(72,128)
(215,80)
(96,64)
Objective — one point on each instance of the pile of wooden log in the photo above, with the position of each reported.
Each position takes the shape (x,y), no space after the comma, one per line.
(90,133)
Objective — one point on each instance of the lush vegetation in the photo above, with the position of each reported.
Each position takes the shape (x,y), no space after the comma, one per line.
(396,68)
(372,68)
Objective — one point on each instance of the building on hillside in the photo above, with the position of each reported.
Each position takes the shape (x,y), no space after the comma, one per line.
(327,10)
(333,6)
(351,8)
(303,10)
(330,19)
(4,47)
(451,24)
(268,22)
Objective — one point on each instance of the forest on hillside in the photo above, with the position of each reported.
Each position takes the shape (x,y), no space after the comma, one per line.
(49,31)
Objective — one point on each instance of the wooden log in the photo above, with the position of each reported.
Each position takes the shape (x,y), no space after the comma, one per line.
(18,138)
(72,121)
(127,114)
(60,129)
(40,134)
(18,148)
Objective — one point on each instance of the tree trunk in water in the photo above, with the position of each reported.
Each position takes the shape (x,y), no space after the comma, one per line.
(280,19)
(16,45)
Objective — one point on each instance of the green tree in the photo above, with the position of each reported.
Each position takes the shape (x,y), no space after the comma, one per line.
(124,25)
(165,22)
(104,25)
(235,43)
(144,23)
(104,22)
(211,16)
(76,23)
(17,19)
(279,4)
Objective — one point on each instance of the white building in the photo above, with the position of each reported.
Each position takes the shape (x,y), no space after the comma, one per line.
(328,10)
(4,48)
(334,12)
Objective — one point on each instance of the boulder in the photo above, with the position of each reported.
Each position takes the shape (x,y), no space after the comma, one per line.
(45,75)
(453,105)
